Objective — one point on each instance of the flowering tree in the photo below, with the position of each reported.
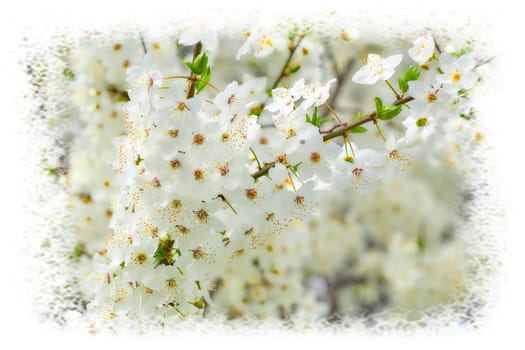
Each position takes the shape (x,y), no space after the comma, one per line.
(217,188)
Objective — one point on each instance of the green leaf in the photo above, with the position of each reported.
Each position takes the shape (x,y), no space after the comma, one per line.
(324,119)
(358,129)
(190,66)
(293,169)
(164,255)
(198,304)
(203,81)
(379,105)
(315,120)
(200,63)
(389,112)
(411,74)
(295,69)
(403,86)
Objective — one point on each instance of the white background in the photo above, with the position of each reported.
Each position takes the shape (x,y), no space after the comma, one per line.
(18,327)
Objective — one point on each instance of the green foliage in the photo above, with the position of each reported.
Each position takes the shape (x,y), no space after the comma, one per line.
(198,304)
(164,253)
(199,64)
(315,120)
(295,69)
(358,129)
(293,169)
(411,74)
(386,112)
(203,80)
(201,69)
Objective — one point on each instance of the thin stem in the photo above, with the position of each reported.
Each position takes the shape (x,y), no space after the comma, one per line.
(256,158)
(288,60)
(291,180)
(143,43)
(436,45)
(333,112)
(177,77)
(380,131)
(347,141)
(393,90)
(213,87)
(370,117)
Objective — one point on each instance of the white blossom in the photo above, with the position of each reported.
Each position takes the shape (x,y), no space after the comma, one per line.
(377,68)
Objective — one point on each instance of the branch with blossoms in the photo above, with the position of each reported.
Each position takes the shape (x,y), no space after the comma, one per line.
(201,181)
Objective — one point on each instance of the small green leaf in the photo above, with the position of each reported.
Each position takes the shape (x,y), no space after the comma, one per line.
(389,112)
(308,120)
(411,74)
(203,81)
(324,119)
(379,105)
(190,66)
(198,304)
(293,168)
(295,69)
(358,129)
(403,86)
(164,255)
(200,63)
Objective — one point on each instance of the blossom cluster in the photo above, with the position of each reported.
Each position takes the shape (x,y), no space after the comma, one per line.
(202,196)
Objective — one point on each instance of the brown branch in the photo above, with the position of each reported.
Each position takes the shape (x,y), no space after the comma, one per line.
(371,117)
(263,171)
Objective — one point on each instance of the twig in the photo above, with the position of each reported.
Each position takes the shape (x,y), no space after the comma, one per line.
(285,67)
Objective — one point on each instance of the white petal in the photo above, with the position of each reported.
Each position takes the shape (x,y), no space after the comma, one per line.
(364,77)
(393,61)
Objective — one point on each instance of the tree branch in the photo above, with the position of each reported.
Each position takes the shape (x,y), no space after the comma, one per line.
(371,117)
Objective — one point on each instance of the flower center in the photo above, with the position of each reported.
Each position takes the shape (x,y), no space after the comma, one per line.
(421,122)
(141,258)
(431,97)
(198,139)
(173,133)
(315,157)
(198,174)
(357,172)
(251,193)
(175,163)
(456,77)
